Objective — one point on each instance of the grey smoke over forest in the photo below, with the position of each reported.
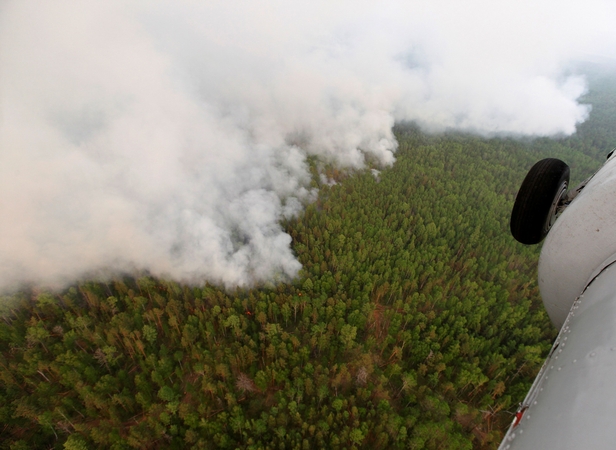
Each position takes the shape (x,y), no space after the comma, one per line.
(173,136)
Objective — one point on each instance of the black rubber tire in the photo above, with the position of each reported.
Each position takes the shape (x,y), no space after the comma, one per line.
(545,183)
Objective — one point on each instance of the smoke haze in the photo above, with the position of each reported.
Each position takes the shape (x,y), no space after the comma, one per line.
(173,137)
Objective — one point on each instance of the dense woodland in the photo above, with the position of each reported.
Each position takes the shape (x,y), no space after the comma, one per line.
(416,321)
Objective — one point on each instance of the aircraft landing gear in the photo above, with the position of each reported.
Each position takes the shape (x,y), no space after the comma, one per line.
(537,203)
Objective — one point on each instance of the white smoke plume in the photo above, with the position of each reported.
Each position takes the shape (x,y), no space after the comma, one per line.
(173,136)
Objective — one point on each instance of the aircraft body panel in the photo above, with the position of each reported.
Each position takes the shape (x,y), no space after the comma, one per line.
(580,242)
(572,404)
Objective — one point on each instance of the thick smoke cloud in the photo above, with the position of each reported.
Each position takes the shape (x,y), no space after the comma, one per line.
(173,136)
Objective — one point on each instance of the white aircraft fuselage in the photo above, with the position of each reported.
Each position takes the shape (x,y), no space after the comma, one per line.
(572,403)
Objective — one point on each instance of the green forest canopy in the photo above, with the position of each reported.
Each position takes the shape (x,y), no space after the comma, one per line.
(416,321)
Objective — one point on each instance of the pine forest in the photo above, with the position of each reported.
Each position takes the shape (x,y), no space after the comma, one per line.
(416,321)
